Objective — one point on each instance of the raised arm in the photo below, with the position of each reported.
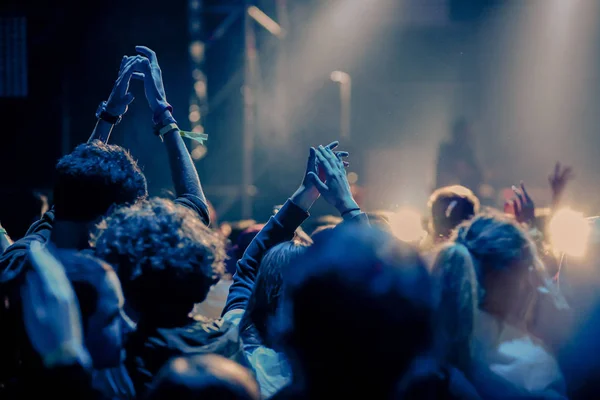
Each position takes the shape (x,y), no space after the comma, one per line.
(280,228)
(110,112)
(183,172)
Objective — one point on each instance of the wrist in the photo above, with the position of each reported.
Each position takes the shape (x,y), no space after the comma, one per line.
(346,204)
(304,197)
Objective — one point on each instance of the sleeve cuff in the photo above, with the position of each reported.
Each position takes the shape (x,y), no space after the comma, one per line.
(291,215)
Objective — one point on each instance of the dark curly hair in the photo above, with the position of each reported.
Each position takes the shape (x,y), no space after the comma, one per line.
(163,254)
(94,177)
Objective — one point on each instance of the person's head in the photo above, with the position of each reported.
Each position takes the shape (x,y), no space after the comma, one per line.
(200,377)
(94,177)
(239,243)
(264,301)
(356,310)
(508,269)
(461,131)
(166,258)
(455,299)
(450,206)
(101,303)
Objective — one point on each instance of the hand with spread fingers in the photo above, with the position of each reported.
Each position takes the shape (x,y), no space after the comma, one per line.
(558,182)
(335,188)
(51,311)
(523,206)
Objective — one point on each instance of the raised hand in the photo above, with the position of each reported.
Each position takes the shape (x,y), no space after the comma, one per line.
(153,83)
(335,188)
(120,98)
(51,311)
(558,181)
(307,193)
(523,206)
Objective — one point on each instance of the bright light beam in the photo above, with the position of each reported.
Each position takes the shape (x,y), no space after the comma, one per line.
(265,21)
(407,225)
(569,232)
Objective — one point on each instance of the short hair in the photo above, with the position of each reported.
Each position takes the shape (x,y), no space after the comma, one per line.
(352,280)
(266,294)
(450,206)
(94,177)
(162,252)
(202,376)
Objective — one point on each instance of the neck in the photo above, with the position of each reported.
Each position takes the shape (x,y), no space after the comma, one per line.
(70,235)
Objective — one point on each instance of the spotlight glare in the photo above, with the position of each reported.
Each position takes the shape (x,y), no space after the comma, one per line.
(569,232)
(407,225)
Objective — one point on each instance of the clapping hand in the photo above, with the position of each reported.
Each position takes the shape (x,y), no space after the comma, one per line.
(151,74)
(307,193)
(51,311)
(335,188)
(120,98)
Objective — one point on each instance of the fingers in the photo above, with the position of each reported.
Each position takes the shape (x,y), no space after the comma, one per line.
(518,194)
(138,76)
(325,158)
(525,192)
(557,169)
(148,53)
(321,187)
(123,62)
(342,154)
(333,145)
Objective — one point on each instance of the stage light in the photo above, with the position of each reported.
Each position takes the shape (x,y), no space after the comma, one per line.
(194,116)
(569,232)
(198,153)
(265,21)
(407,225)
(200,88)
(352,178)
(197,51)
(340,77)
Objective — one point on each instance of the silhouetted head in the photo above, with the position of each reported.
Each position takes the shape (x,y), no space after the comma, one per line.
(101,302)
(264,301)
(201,377)
(166,258)
(94,177)
(357,309)
(450,206)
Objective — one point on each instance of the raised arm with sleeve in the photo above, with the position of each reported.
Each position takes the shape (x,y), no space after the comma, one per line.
(111,111)
(279,228)
(183,172)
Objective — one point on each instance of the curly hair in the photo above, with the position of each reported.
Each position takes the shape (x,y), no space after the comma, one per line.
(162,252)
(94,177)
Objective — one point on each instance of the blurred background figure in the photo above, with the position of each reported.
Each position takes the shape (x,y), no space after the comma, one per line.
(457,162)
(203,377)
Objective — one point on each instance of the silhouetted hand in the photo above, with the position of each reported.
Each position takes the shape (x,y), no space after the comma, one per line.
(335,189)
(120,98)
(522,205)
(51,311)
(153,83)
(558,181)
(307,193)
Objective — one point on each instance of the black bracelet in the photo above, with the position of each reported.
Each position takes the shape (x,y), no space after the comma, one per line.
(349,211)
